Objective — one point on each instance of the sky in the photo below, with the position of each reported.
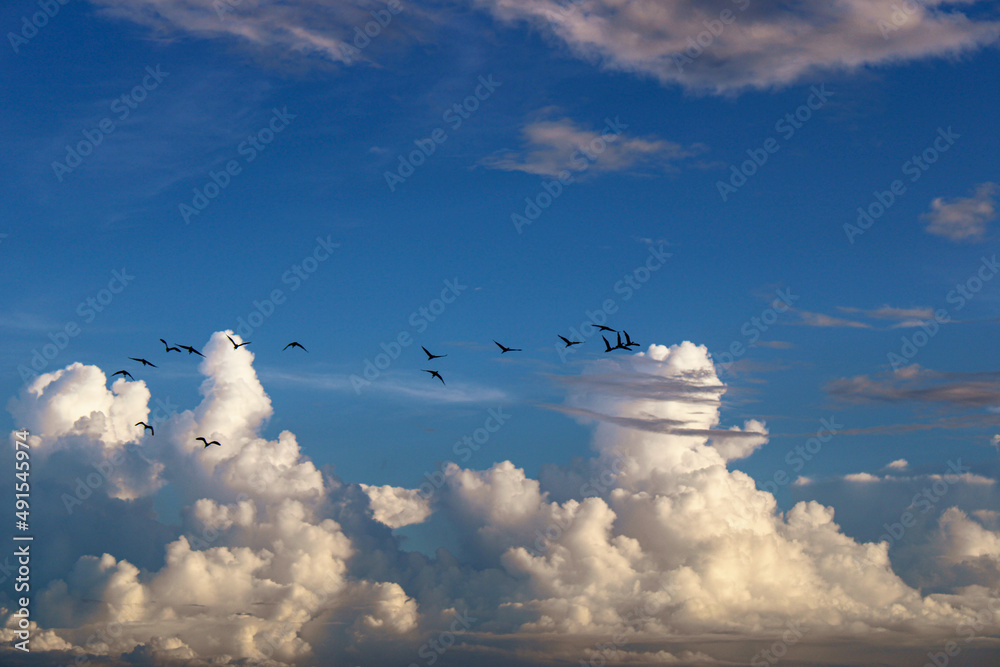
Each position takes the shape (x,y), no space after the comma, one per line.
(791,208)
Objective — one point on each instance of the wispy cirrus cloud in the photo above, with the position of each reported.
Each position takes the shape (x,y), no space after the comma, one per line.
(305,29)
(920,385)
(820,320)
(553,146)
(963,218)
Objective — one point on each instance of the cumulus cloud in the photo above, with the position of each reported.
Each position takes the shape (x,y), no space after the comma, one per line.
(258,559)
(661,546)
(397,507)
(963,218)
(760,45)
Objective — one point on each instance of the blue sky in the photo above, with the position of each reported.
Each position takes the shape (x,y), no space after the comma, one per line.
(199,84)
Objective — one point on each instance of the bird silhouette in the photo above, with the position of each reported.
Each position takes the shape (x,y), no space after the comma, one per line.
(569,342)
(601,327)
(143,362)
(235,346)
(292,344)
(434,374)
(628,341)
(191,350)
(607,345)
(207,443)
(431,356)
(507,349)
(169,347)
(123,374)
(145,425)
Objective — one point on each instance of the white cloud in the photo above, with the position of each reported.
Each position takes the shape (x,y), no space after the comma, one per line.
(397,507)
(963,218)
(302,28)
(554,146)
(277,561)
(766,43)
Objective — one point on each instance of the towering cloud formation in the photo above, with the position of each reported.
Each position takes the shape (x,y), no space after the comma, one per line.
(658,550)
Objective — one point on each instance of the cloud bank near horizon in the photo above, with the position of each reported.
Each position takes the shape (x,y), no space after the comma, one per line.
(662,549)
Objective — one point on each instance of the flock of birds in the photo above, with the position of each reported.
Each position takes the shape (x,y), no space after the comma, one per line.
(190,350)
(627,345)
(608,347)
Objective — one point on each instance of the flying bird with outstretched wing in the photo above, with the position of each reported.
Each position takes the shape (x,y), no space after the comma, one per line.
(235,346)
(434,374)
(504,349)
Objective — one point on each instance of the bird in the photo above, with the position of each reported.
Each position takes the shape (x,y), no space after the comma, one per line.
(235,346)
(601,327)
(434,374)
(145,425)
(292,344)
(507,349)
(569,342)
(143,362)
(123,374)
(169,347)
(207,443)
(191,350)
(628,341)
(431,356)
(608,347)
